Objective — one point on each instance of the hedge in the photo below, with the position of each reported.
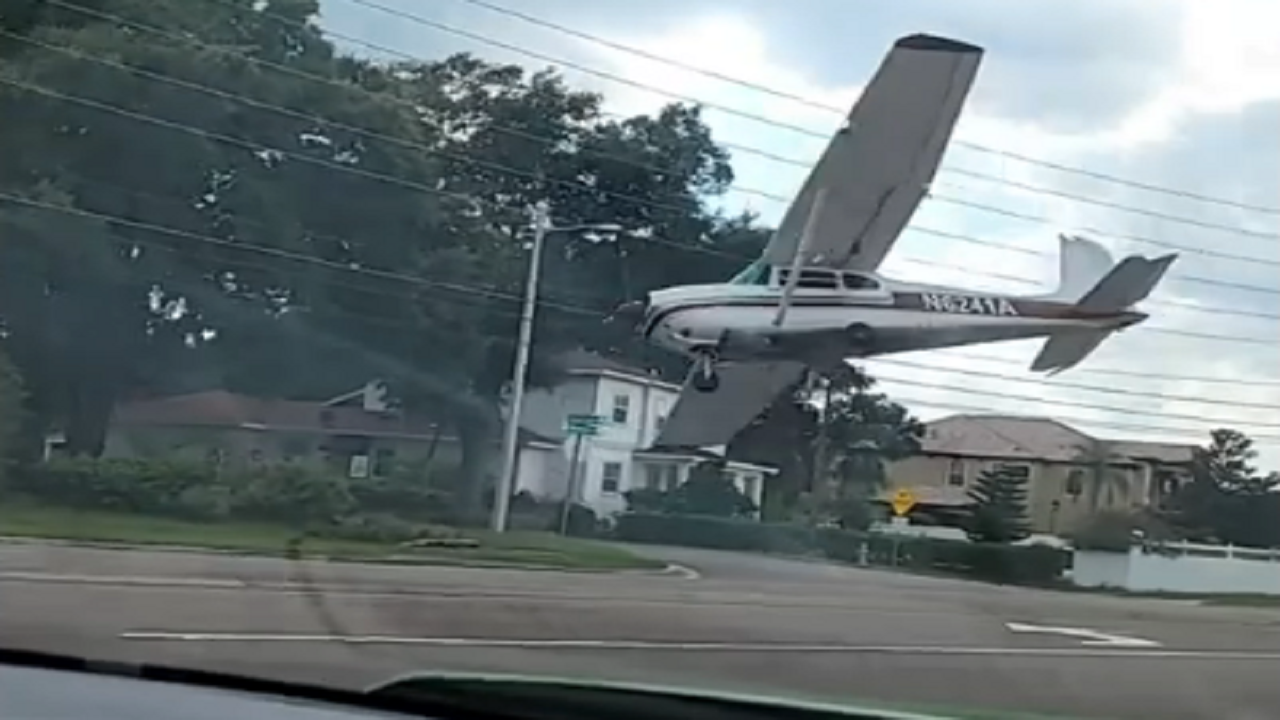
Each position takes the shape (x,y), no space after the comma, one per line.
(379,509)
(1033,565)
(398,507)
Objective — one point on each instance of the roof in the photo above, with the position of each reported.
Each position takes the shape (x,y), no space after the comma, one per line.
(947,496)
(581,361)
(1032,438)
(220,408)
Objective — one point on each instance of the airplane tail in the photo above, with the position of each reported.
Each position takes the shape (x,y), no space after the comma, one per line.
(1088,282)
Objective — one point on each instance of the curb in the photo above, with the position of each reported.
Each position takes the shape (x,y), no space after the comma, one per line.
(386,560)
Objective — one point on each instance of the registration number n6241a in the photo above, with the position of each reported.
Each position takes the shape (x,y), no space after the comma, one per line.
(967,304)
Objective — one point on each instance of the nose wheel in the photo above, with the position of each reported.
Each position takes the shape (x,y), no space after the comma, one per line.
(705,378)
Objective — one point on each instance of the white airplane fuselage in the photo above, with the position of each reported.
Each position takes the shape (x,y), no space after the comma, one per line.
(904,317)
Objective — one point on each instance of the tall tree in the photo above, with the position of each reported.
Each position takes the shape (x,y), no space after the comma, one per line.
(999,510)
(1227,499)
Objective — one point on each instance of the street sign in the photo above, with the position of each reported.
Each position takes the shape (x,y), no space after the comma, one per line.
(583,425)
(902,502)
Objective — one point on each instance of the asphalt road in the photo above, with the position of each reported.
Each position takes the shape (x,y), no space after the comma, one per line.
(745,623)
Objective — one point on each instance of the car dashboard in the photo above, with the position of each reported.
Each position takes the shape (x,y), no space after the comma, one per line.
(54,687)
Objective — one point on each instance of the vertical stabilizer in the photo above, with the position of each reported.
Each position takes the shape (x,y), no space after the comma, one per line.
(1126,285)
(1082,263)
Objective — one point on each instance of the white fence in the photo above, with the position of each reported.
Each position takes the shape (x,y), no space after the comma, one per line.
(1181,567)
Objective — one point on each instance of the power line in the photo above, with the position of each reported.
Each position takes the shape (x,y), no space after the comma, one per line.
(640,201)
(1120,372)
(1075,386)
(422,187)
(1072,403)
(652,168)
(756,151)
(672,62)
(495,296)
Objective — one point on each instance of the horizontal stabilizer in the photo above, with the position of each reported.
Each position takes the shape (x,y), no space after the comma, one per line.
(1065,350)
(1127,284)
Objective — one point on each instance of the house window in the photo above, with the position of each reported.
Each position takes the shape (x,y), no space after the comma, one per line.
(1075,483)
(384,461)
(653,477)
(611,477)
(955,473)
(1022,472)
(621,408)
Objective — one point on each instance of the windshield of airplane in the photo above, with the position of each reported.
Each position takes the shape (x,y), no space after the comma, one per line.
(343,339)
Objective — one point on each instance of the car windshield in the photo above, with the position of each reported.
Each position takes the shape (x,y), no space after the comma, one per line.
(334,346)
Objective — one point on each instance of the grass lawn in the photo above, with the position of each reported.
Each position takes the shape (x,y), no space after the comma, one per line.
(521,549)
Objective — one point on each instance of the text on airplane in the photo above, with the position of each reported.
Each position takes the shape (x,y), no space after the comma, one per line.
(967,304)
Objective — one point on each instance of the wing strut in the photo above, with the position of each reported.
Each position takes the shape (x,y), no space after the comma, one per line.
(802,254)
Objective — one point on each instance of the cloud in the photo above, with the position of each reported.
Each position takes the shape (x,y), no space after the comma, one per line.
(1181,94)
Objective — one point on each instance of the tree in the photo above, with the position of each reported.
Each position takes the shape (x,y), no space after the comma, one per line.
(12,402)
(708,491)
(837,455)
(999,510)
(1227,499)
(1103,478)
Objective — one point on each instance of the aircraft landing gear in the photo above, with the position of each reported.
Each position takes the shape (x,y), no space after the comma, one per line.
(705,378)
(861,337)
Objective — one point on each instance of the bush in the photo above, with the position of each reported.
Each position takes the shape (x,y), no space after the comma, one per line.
(714,532)
(140,486)
(1034,565)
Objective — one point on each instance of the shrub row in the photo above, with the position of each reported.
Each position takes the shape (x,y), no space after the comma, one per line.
(1034,565)
(402,506)
(379,509)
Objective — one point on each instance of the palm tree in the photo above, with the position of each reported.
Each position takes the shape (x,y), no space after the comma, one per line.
(1100,473)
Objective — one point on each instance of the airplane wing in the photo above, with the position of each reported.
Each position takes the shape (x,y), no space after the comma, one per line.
(878,167)
(703,419)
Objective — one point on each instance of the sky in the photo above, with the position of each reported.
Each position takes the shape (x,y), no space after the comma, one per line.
(1176,94)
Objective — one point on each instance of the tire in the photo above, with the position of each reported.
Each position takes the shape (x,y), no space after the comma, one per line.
(861,336)
(706,381)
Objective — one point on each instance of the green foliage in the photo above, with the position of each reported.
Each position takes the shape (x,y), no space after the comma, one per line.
(837,455)
(999,511)
(721,533)
(12,411)
(1119,530)
(992,562)
(529,513)
(707,492)
(394,508)
(1227,499)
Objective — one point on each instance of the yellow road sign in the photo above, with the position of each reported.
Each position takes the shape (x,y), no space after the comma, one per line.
(902,502)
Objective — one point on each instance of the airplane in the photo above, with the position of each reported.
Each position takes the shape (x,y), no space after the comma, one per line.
(814,299)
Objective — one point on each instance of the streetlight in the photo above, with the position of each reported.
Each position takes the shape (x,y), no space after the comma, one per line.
(511,439)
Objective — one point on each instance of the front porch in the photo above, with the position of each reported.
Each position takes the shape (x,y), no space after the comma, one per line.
(667,468)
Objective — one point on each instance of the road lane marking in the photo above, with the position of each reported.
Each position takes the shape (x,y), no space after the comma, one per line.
(710,647)
(1086,636)
(119,580)
(684,572)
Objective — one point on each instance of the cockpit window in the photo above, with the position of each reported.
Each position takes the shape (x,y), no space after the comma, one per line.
(757,273)
(813,279)
(858,281)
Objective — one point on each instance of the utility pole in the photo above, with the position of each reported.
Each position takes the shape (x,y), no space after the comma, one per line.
(542,227)
(511,438)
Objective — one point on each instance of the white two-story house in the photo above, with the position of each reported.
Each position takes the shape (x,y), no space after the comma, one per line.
(622,455)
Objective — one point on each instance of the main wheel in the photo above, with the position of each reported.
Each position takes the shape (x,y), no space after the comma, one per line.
(706,382)
(860,336)
(706,379)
